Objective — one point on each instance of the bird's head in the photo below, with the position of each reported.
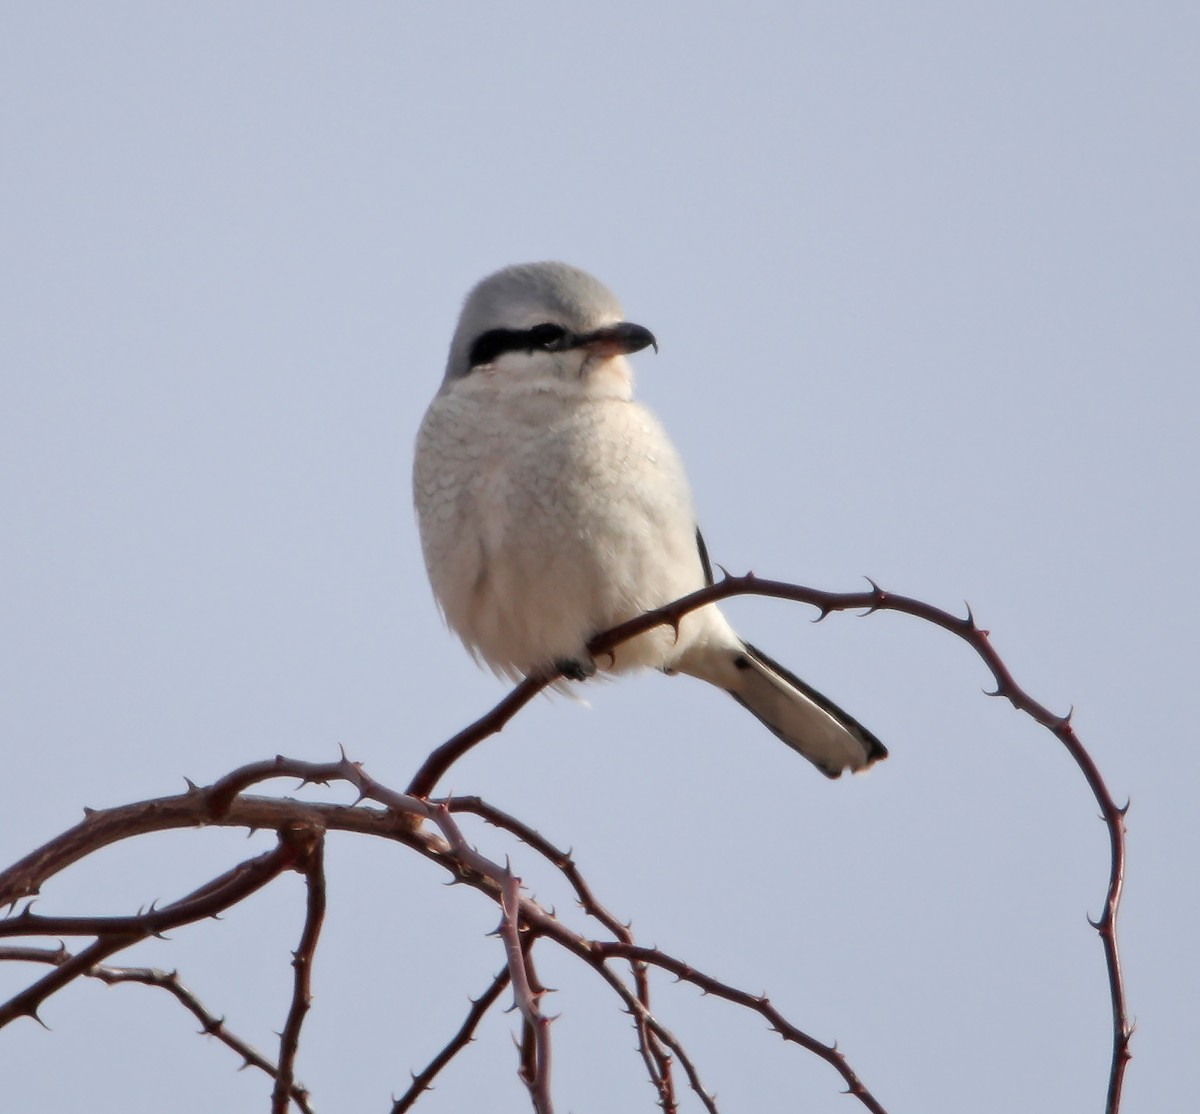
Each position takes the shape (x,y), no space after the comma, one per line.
(546,326)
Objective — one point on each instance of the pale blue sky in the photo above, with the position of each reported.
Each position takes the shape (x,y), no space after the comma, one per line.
(925,281)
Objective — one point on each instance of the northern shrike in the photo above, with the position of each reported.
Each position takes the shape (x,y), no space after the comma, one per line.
(552,506)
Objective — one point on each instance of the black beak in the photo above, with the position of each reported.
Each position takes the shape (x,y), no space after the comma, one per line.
(618,340)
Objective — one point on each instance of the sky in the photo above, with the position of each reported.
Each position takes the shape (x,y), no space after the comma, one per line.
(924,279)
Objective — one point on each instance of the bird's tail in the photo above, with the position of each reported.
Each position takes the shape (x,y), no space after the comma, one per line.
(812,724)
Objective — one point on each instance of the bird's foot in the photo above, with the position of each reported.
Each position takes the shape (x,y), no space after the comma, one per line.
(575,670)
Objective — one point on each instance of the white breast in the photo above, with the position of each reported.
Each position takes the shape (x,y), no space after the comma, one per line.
(545,519)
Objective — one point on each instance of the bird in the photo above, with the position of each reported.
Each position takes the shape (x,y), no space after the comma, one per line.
(553,506)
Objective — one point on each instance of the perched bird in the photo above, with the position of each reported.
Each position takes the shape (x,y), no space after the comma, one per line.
(552,506)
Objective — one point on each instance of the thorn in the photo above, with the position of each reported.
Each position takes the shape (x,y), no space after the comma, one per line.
(997,691)
(970,619)
(879,594)
(1122,809)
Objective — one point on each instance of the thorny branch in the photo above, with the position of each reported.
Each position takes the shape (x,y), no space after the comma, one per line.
(871,601)
(428,827)
(650,1045)
(211,1024)
(423,1080)
(311,845)
(118,933)
(449,849)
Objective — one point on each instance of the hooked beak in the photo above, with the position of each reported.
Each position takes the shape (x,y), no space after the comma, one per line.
(621,339)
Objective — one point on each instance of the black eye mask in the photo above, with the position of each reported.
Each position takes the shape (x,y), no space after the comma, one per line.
(490,346)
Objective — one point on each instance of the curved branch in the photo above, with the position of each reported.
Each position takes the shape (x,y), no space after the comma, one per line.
(225,803)
(876,599)
(211,898)
(211,1025)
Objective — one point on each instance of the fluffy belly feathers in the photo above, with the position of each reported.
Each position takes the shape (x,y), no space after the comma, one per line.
(543,524)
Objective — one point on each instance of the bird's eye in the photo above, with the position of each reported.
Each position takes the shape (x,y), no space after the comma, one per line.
(549,338)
